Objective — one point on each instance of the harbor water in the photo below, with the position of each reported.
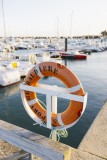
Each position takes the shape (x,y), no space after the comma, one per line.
(93,76)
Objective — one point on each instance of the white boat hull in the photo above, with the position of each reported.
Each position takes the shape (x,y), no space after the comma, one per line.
(9,77)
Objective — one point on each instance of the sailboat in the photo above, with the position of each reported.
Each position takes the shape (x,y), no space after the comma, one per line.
(8,76)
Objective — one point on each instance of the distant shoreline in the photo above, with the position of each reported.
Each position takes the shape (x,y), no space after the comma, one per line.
(61,37)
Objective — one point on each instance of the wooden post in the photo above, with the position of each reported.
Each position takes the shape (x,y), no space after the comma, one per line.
(54,110)
(65,44)
(48,104)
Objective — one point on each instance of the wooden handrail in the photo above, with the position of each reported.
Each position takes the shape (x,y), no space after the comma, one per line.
(34,143)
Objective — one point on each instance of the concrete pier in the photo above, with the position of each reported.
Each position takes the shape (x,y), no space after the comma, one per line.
(92,147)
(95,141)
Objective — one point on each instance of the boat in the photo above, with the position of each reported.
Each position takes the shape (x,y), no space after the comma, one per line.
(80,56)
(42,56)
(22,66)
(55,55)
(73,55)
(21,63)
(8,76)
(24,62)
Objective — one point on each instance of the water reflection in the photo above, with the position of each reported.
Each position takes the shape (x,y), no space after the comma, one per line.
(9,91)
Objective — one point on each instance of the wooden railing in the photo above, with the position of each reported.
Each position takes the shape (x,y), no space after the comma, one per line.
(34,143)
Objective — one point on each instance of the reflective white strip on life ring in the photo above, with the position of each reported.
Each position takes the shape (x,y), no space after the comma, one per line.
(85,102)
(60,119)
(73,89)
(38,71)
(33,101)
(67,90)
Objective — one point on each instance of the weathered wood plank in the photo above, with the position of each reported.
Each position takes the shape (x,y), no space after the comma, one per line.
(34,143)
(15,156)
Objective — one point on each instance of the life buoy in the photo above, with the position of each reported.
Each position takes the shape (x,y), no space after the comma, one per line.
(73,111)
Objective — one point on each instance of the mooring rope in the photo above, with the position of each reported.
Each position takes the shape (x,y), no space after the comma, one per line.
(59,134)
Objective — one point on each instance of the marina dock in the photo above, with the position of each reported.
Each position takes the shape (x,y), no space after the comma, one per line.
(92,147)
(53,73)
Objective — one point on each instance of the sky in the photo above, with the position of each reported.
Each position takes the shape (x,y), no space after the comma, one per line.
(53,17)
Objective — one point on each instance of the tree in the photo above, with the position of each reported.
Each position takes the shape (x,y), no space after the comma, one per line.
(104,33)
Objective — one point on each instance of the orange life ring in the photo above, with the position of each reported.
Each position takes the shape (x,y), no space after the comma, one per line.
(73,111)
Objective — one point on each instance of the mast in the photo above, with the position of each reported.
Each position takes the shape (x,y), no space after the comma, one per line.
(57,28)
(71,25)
(3,20)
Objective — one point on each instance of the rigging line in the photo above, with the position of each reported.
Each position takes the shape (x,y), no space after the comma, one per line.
(3,20)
